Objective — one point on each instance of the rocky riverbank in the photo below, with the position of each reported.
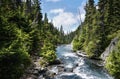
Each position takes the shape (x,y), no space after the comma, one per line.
(68,66)
(96,61)
(36,71)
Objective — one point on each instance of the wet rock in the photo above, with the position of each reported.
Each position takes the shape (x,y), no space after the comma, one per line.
(36,72)
(56,62)
(49,75)
(70,76)
(52,75)
(95,62)
(77,64)
(60,68)
(81,54)
(68,70)
(42,70)
(33,77)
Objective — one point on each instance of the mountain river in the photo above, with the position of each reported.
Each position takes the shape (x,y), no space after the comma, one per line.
(76,67)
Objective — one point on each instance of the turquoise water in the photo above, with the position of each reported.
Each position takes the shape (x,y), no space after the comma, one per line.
(77,67)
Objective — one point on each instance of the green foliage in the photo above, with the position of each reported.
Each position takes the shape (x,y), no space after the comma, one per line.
(14,60)
(12,65)
(49,56)
(23,33)
(78,44)
(15,40)
(96,32)
(98,29)
(90,48)
(113,35)
(48,52)
(86,37)
(113,62)
(69,37)
(43,62)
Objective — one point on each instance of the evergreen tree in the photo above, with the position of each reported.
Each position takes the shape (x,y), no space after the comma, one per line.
(45,18)
(61,34)
(15,42)
(99,28)
(23,34)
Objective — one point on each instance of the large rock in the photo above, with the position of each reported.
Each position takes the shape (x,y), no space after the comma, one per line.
(109,48)
(56,62)
(81,54)
(69,76)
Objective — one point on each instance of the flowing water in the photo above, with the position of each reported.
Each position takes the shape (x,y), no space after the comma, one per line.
(76,67)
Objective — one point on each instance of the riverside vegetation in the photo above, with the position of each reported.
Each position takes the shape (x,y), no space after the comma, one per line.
(24,34)
(101,25)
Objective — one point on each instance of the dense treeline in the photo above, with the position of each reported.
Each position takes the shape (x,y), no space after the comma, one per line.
(23,34)
(101,25)
(66,38)
(69,37)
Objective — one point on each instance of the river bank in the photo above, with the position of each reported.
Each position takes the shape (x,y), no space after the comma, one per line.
(33,71)
(72,67)
(37,71)
(96,61)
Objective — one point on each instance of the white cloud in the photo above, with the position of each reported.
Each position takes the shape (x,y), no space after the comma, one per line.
(66,19)
(81,17)
(97,7)
(81,11)
(70,21)
(55,11)
(53,0)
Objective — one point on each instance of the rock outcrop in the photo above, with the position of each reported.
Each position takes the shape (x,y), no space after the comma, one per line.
(109,48)
(34,70)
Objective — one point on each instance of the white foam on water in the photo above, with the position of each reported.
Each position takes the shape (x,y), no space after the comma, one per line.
(87,74)
(68,74)
(69,54)
(110,77)
(65,74)
(82,70)
(69,65)
(83,74)
(54,70)
(80,62)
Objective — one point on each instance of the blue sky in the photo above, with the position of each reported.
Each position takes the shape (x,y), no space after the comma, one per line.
(64,12)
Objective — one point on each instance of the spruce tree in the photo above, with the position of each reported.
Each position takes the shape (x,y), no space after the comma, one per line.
(45,18)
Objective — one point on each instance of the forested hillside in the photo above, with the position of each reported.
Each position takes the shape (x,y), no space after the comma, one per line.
(23,35)
(26,35)
(101,25)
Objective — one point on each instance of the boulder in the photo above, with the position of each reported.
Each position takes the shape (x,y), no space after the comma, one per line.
(56,62)
(109,49)
(69,76)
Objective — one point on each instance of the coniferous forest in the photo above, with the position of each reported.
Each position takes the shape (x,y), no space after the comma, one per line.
(101,26)
(25,35)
